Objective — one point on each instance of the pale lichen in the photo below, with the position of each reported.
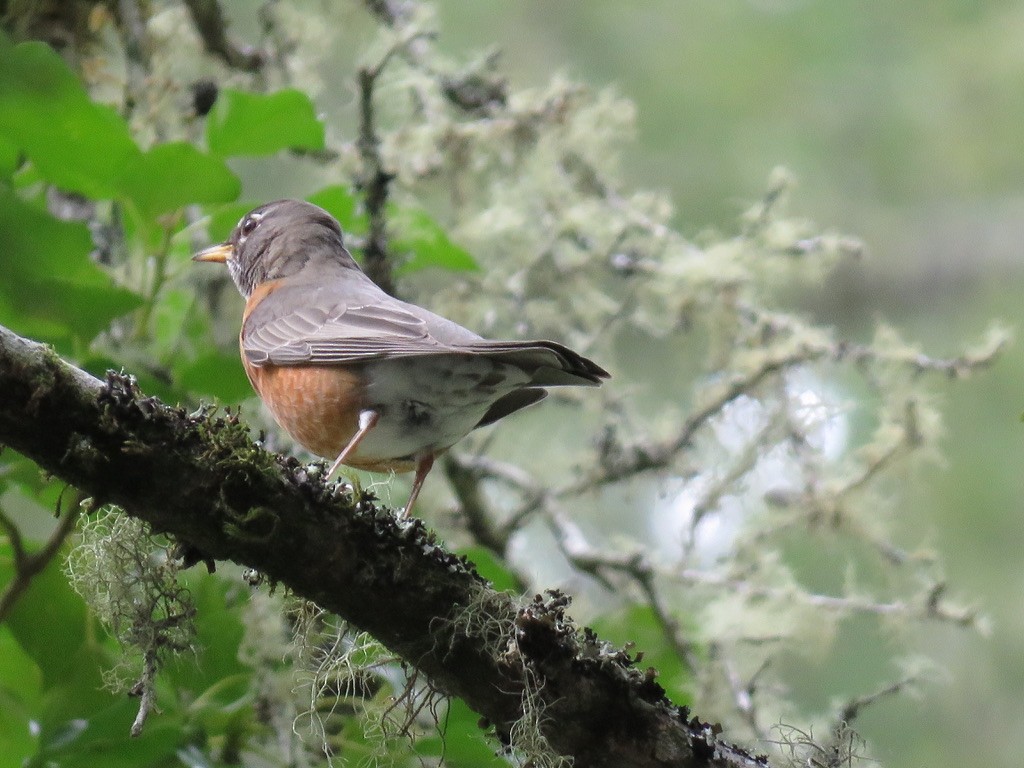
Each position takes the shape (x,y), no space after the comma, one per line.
(130,580)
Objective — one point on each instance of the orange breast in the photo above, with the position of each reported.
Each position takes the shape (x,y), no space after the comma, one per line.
(318,406)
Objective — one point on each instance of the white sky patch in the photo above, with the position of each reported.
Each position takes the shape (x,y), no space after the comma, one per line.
(814,410)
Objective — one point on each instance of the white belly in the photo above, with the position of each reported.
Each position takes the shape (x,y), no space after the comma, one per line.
(428,404)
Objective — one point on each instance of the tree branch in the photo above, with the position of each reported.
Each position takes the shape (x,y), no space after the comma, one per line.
(199,478)
(27,566)
(374,179)
(212,28)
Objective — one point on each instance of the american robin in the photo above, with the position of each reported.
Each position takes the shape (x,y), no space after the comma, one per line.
(356,375)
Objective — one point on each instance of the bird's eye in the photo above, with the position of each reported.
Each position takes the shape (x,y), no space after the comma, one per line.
(249,224)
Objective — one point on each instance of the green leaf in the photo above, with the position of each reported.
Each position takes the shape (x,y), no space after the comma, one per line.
(14,752)
(86,147)
(20,688)
(49,637)
(170,176)
(242,123)
(61,641)
(177,319)
(51,288)
(39,247)
(342,205)
(17,740)
(23,473)
(82,310)
(426,242)
(216,374)
(219,632)
(9,156)
(73,142)
(65,734)
(464,743)
(79,691)
(103,739)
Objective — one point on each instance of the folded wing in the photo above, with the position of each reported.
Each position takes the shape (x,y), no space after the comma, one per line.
(326,328)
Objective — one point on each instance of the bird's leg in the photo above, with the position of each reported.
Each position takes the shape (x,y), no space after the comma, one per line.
(367,420)
(423,465)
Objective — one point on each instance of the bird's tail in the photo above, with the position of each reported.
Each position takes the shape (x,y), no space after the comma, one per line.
(549,363)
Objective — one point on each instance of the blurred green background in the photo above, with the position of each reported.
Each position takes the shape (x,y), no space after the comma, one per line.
(901,123)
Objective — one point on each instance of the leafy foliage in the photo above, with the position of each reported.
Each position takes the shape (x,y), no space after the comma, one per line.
(73,142)
(426,242)
(52,289)
(243,123)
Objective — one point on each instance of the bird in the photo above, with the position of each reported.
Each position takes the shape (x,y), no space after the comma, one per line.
(356,375)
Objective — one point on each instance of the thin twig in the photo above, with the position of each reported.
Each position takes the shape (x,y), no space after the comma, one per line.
(390,12)
(725,483)
(852,708)
(27,566)
(158,277)
(743,694)
(375,179)
(930,606)
(660,455)
(643,575)
(133,33)
(465,480)
(145,689)
(212,28)
(374,182)
(583,557)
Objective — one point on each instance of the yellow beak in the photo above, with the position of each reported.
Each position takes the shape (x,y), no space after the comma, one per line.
(218,253)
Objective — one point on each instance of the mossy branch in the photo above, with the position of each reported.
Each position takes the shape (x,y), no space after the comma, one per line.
(199,478)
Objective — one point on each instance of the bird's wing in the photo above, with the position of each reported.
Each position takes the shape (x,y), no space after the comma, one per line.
(325,327)
(322,325)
